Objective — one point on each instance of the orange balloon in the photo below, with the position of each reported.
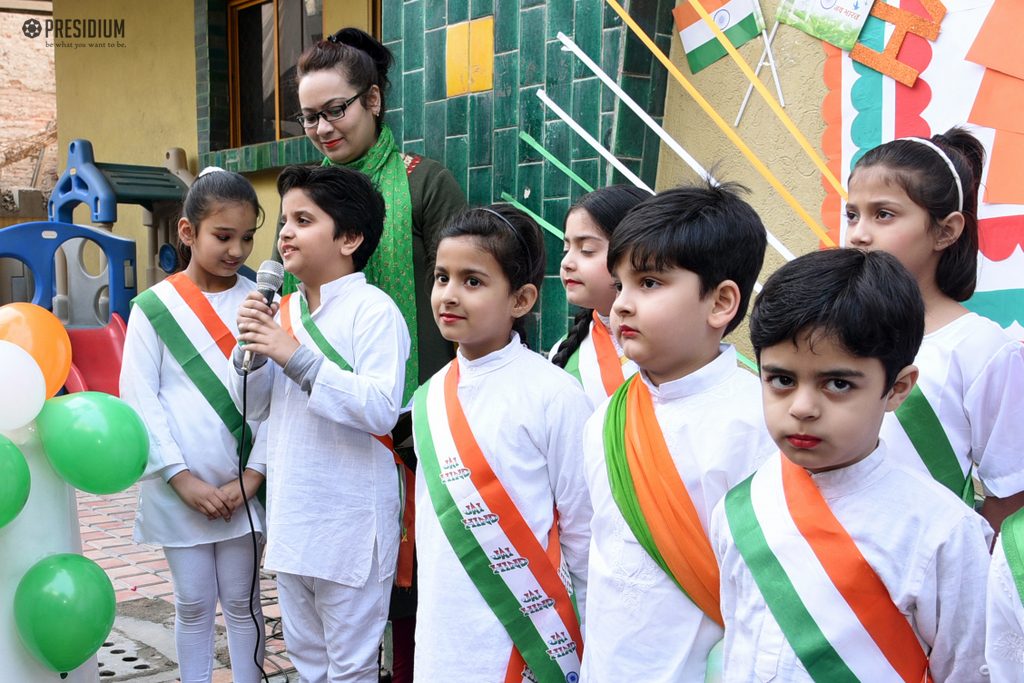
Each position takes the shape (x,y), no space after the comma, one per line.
(39,332)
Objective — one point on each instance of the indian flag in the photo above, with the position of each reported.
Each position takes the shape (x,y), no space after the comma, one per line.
(740,20)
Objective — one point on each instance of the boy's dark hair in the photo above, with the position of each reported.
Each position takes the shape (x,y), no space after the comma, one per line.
(924,175)
(510,236)
(207,193)
(867,302)
(361,59)
(705,229)
(606,206)
(347,196)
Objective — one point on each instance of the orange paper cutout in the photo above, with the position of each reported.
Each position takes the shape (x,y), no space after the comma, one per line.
(1003,184)
(998,45)
(905,22)
(1000,102)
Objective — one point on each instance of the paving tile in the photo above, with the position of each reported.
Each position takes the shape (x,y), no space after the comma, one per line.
(95,554)
(435,65)
(126,595)
(481,8)
(560,17)
(458,10)
(93,519)
(506,25)
(413,35)
(588,33)
(434,13)
(458,115)
(506,90)
(109,542)
(124,572)
(531,46)
(111,562)
(156,566)
(480,129)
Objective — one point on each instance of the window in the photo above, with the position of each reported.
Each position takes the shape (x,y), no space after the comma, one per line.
(265,40)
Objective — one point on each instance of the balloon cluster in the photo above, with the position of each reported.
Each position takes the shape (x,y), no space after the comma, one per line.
(64,604)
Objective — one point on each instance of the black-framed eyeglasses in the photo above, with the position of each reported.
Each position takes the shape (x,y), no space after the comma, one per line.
(332,113)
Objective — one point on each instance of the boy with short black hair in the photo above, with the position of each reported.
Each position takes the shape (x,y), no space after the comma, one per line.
(662,451)
(332,394)
(837,563)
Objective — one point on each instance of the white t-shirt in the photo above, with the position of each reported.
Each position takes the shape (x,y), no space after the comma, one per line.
(527,416)
(928,548)
(972,373)
(640,625)
(185,432)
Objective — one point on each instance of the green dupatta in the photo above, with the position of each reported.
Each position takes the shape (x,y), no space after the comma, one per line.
(390,268)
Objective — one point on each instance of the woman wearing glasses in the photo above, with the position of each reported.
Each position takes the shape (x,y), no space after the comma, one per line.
(342,82)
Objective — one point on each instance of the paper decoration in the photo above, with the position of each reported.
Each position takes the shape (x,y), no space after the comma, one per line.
(1004,186)
(837,22)
(1000,102)
(998,45)
(864,108)
(740,20)
(904,22)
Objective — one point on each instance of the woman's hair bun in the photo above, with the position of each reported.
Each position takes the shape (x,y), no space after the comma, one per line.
(363,41)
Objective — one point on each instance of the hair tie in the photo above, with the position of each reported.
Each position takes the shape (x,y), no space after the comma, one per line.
(952,168)
(519,237)
(211,169)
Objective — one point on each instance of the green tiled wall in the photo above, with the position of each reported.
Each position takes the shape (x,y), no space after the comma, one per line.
(477,135)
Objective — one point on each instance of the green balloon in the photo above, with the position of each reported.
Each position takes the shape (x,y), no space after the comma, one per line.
(64,608)
(15,481)
(95,441)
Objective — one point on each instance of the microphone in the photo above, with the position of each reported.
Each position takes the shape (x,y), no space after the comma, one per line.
(269,278)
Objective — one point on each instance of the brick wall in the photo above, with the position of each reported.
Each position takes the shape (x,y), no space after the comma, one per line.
(28,99)
(477,135)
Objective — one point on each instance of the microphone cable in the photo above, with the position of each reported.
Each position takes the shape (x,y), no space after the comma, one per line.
(260,628)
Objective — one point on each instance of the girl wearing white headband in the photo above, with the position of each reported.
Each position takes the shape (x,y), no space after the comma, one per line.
(918,200)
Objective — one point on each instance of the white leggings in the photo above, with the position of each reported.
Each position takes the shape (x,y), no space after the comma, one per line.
(202,574)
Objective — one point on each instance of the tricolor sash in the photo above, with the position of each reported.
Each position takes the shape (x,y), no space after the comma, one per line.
(830,604)
(653,499)
(1012,534)
(596,362)
(527,588)
(923,428)
(199,340)
(297,321)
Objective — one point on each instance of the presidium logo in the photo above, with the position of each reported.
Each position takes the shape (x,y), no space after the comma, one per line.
(65,29)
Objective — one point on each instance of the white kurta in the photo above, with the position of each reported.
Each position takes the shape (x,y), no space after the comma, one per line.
(1004,625)
(928,548)
(184,431)
(527,416)
(972,373)
(640,626)
(590,371)
(332,489)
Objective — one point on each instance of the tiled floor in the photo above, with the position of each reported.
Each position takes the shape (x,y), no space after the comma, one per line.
(140,571)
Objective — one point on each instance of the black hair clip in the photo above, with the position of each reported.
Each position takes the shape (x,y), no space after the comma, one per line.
(333,38)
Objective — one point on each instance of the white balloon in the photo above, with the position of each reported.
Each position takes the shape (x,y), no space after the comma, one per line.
(24,387)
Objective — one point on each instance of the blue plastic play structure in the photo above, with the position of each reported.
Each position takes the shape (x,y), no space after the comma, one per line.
(93,307)
(36,245)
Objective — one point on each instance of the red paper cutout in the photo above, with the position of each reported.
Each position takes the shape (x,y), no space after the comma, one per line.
(998,237)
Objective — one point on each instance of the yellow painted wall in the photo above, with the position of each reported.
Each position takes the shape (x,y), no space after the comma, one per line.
(800,59)
(132,102)
(341,13)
